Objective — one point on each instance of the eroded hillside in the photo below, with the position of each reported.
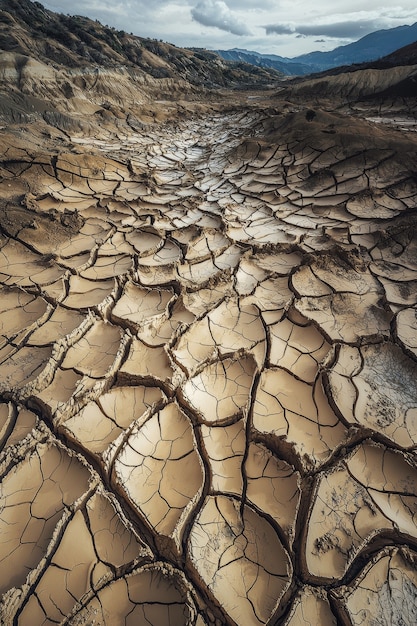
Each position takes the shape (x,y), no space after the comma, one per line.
(208,355)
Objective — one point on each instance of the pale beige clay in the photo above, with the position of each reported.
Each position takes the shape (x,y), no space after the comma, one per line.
(208,343)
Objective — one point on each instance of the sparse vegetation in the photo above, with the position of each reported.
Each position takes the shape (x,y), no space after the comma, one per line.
(75,40)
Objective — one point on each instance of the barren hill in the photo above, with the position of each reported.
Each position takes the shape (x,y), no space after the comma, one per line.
(389,79)
(67,67)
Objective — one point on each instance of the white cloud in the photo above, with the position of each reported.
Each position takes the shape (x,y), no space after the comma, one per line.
(216,13)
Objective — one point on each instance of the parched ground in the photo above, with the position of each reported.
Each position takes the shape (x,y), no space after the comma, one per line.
(208,375)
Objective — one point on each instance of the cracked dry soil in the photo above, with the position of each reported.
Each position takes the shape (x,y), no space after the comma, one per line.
(208,373)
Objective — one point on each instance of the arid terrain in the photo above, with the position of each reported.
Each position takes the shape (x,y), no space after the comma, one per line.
(208,346)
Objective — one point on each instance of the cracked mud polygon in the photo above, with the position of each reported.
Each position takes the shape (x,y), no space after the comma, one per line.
(208,372)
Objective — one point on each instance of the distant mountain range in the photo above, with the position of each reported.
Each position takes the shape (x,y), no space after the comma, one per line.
(369,48)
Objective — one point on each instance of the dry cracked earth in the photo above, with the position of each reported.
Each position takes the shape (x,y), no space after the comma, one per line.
(208,373)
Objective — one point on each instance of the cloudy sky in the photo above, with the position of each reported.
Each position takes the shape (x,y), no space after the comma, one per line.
(284,27)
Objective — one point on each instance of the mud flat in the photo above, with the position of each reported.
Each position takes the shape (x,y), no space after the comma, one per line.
(208,373)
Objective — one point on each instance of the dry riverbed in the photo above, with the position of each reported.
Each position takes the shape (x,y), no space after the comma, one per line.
(208,374)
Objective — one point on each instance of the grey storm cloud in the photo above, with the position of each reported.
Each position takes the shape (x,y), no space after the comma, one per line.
(279,29)
(339,30)
(216,13)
